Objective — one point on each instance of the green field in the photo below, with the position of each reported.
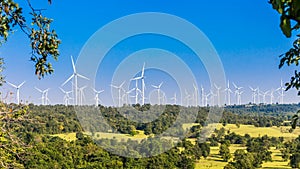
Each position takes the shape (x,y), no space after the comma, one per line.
(282,131)
(214,161)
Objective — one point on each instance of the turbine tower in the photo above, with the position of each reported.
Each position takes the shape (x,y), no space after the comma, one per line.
(228,91)
(44,95)
(238,93)
(187,98)
(126,94)
(67,97)
(142,77)
(271,96)
(174,98)
(239,97)
(119,88)
(158,91)
(218,93)
(75,76)
(254,93)
(81,94)
(281,90)
(264,94)
(195,94)
(97,99)
(18,90)
(202,96)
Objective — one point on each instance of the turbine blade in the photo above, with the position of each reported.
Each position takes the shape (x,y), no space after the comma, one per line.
(38,89)
(143,70)
(68,80)
(11,84)
(83,77)
(21,84)
(73,65)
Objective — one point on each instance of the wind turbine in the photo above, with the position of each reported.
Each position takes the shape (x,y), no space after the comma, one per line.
(264,94)
(75,76)
(202,96)
(81,94)
(254,93)
(18,90)
(206,96)
(218,93)
(239,96)
(126,94)
(158,91)
(120,88)
(228,91)
(44,95)
(67,97)
(281,90)
(212,97)
(174,98)
(187,98)
(97,99)
(237,92)
(142,77)
(271,96)
(195,94)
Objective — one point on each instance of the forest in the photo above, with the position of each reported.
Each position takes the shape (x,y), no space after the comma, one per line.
(31,132)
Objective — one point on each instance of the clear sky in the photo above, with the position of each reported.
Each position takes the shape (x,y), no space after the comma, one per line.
(245,34)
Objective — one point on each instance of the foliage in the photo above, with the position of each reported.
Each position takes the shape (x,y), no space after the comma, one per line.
(290,13)
(224,152)
(44,40)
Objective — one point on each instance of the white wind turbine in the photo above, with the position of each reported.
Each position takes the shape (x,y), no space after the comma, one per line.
(195,94)
(158,91)
(75,76)
(44,95)
(212,97)
(238,93)
(81,94)
(264,94)
(254,93)
(202,96)
(281,90)
(119,88)
(187,98)
(218,93)
(228,91)
(126,95)
(142,77)
(174,98)
(97,99)
(239,96)
(271,96)
(67,97)
(18,90)
(206,96)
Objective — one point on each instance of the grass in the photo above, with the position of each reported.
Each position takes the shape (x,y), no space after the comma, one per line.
(118,136)
(213,161)
(282,131)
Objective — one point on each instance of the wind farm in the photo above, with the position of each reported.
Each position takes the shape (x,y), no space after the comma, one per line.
(140,93)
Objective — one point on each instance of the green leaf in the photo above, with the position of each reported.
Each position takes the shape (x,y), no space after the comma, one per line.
(285,26)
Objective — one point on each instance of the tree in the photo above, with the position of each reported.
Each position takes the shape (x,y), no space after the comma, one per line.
(43,40)
(289,22)
(295,160)
(224,152)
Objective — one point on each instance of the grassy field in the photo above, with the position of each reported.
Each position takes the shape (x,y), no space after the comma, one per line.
(117,136)
(213,161)
(282,131)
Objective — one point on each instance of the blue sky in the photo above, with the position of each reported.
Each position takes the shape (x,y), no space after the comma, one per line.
(245,34)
